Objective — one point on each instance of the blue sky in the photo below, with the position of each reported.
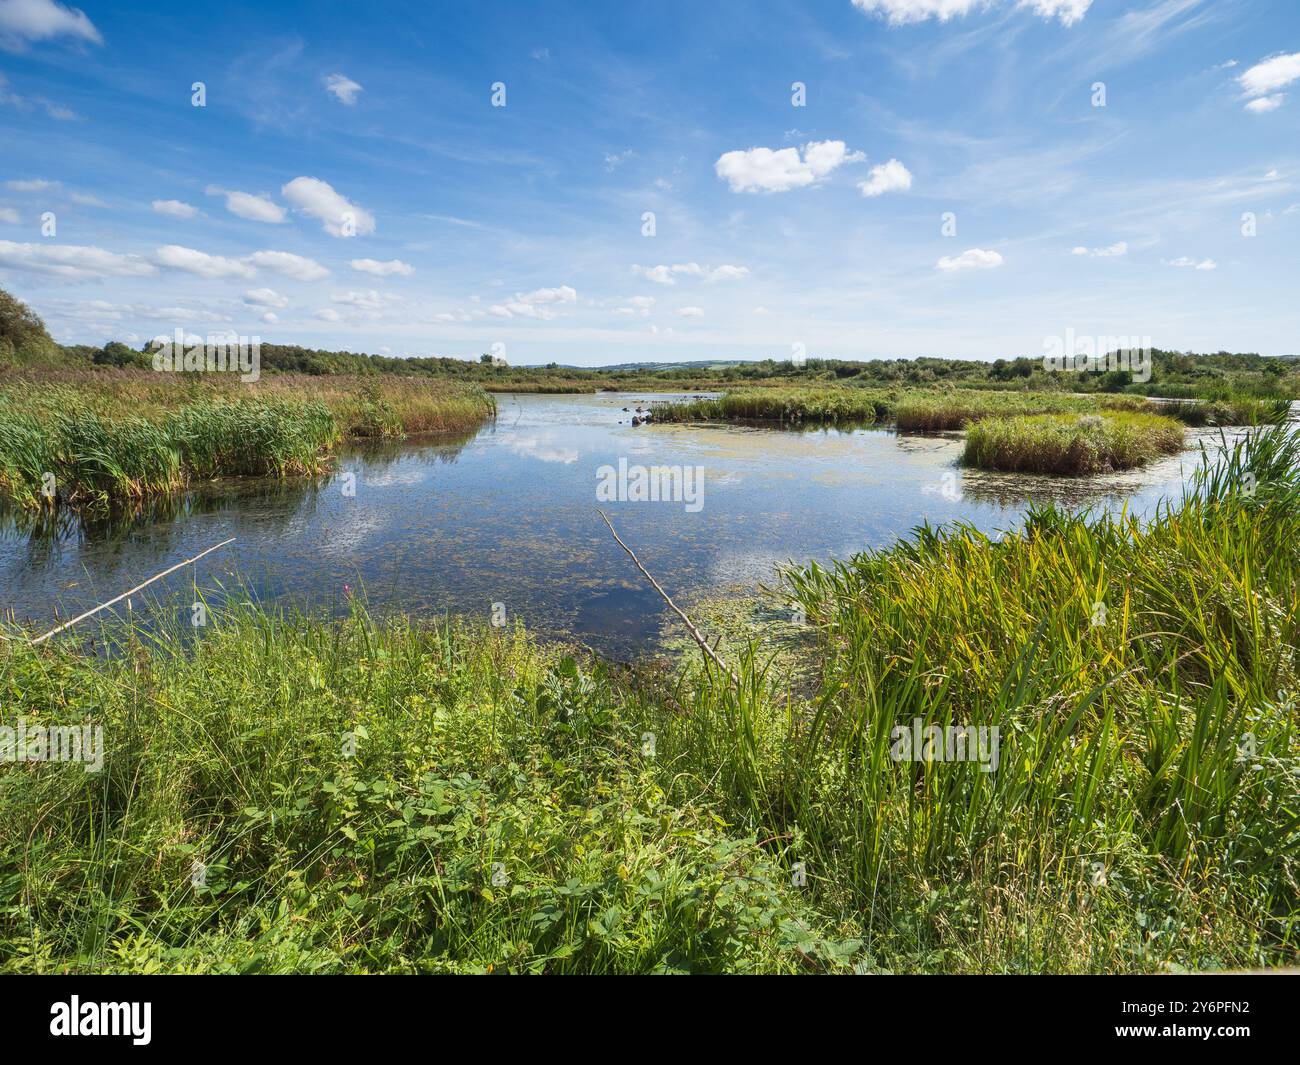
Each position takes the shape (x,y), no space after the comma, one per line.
(350,185)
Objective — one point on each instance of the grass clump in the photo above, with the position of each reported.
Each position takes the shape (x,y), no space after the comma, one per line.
(787,406)
(1071,445)
(54,447)
(118,435)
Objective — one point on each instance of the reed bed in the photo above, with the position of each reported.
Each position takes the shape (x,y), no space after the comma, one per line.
(116,436)
(788,406)
(939,410)
(1071,445)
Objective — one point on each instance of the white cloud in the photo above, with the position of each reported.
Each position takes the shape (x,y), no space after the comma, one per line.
(174,208)
(9,98)
(765,170)
(1194,264)
(667,275)
(1120,247)
(616,159)
(342,88)
(971,259)
(382,269)
(9,215)
(318,199)
(1068,11)
(86,199)
(368,300)
(902,12)
(201,263)
(73,261)
(297,267)
(1270,75)
(270,317)
(265,297)
(638,305)
(692,312)
(1265,104)
(32,185)
(24,21)
(727,272)
(257,208)
(535,304)
(329,314)
(892,176)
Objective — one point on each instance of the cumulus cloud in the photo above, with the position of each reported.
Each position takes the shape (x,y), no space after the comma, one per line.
(971,259)
(342,88)
(383,269)
(667,275)
(1120,247)
(201,263)
(1276,72)
(1264,104)
(72,261)
(257,208)
(639,306)
(329,314)
(25,21)
(1194,264)
(174,208)
(902,12)
(338,217)
(892,176)
(692,312)
(265,297)
(9,215)
(536,304)
(298,267)
(765,170)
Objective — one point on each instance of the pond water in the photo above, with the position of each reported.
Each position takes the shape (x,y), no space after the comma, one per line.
(508,515)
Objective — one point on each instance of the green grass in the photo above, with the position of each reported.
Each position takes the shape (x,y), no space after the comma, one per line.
(118,436)
(789,406)
(1072,445)
(95,457)
(368,797)
(941,409)
(1145,814)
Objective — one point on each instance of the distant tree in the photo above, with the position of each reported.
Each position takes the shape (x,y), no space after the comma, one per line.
(23,337)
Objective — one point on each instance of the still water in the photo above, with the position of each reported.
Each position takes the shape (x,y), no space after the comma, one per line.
(508,515)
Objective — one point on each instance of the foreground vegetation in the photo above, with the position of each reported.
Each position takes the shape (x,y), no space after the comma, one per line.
(1071,445)
(281,793)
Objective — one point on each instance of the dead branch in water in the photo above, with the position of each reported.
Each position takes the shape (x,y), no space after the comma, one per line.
(709,652)
(130,591)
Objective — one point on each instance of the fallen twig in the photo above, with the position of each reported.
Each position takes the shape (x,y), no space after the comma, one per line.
(130,591)
(709,652)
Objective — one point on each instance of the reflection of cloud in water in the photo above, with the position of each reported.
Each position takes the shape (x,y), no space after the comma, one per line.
(391,478)
(342,540)
(539,448)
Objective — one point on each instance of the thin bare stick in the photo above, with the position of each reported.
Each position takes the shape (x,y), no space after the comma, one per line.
(131,591)
(690,625)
